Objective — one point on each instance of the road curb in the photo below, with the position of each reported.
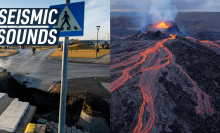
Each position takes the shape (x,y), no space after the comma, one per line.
(77,60)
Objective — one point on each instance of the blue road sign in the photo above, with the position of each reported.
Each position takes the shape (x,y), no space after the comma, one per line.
(71,19)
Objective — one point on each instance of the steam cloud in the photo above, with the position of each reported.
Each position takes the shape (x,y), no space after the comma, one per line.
(6,62)
(162,10)
(153,11)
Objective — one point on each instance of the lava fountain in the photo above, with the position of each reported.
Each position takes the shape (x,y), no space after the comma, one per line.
(162,25)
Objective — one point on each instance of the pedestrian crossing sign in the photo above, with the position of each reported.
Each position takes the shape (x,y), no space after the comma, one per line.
(71,19)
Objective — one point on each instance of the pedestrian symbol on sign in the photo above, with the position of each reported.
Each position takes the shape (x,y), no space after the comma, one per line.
(71,19)
(66,20)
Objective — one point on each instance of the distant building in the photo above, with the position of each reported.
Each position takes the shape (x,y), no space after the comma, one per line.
(87,42)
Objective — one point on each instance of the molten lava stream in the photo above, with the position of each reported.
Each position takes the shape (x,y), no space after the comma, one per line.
(147,86)
(147,29)
(211,44)
(191,38)
(122,55)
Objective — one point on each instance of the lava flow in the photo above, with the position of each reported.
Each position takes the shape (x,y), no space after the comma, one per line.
(147,29)
(210,44)
(149,70)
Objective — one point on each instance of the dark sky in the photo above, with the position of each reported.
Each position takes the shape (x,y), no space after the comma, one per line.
(182,5)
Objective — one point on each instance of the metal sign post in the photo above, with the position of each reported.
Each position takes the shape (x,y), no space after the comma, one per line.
(71,23)
(62,110)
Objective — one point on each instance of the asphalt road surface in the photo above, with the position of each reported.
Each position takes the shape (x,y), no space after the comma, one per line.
(41,73)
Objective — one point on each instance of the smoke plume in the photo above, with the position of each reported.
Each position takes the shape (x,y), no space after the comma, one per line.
(153,11)
(162,10)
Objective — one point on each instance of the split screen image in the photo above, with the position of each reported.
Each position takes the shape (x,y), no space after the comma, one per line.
(146,66)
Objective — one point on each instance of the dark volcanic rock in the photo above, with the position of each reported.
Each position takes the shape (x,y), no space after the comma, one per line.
(173,30)
(151,35)
(143,30)
(202,65)
(212,36)
(125,104)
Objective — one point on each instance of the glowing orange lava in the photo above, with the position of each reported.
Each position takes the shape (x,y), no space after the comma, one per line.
(147,29)
(149,72)
(162,25)
(191,38)
(210,44)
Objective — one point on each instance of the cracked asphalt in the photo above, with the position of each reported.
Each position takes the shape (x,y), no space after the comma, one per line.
(40,72)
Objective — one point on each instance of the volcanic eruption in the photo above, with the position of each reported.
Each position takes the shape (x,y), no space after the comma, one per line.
(162,81)
(162,25)
(158,31)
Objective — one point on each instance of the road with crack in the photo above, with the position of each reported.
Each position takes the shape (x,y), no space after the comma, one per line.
(41,73)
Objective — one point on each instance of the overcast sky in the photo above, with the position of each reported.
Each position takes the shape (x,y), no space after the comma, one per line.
(97,12)
(182,5)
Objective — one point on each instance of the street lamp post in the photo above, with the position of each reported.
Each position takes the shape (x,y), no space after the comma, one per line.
(97,39)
